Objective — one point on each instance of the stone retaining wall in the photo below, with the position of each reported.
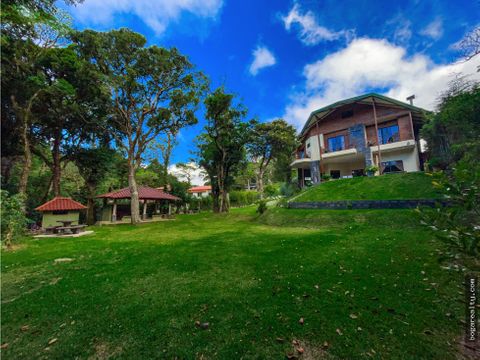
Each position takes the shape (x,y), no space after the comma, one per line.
(367,204)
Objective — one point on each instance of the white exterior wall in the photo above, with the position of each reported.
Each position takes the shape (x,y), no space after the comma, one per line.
(409,157)
(314,150)
(345,168)
(201,194)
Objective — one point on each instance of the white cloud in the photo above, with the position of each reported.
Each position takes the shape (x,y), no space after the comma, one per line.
(403,32)
(310,32)
(433,30)
(156,14)
(262,58)
(196,174)
(368,64)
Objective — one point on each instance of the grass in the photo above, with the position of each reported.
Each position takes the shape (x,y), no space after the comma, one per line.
(391,186)
(366,283)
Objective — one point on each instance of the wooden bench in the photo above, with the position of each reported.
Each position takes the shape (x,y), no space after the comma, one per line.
(51,229)
(75,229)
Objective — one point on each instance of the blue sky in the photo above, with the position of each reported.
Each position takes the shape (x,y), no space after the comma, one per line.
(287,58)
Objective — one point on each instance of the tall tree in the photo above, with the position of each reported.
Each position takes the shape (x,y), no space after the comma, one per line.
(270,141)
(186,171)
(221,148)
(73,108)
(165,145)
(28,28)
(153,90)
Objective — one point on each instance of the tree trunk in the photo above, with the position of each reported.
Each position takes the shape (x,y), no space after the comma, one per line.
(260,182)
(24,115)
(45,196)
(91,204)
(134,201)
(7,164)
(27,161)
(56,170)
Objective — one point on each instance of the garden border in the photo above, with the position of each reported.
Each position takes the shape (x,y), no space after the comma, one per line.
(367,204)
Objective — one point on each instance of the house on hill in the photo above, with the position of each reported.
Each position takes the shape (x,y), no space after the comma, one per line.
(200,191)
(344,139)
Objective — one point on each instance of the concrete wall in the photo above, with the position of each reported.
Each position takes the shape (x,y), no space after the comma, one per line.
(409,157)
(49,219)
(106,214)
(314,150)
(344,167)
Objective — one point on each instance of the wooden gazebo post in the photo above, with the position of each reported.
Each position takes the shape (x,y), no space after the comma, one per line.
(144,216)
(114,210)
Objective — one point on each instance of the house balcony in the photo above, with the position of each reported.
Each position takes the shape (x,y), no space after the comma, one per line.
(302,161)
(345,153)
(394,146)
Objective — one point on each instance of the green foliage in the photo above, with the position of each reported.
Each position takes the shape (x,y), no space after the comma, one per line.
(262,207)
(269,142)
(201,203)
(458,225)
(326,177)
(272,190)
(221,149)
(454,130)
(13,217)
(289,189)
(243,197)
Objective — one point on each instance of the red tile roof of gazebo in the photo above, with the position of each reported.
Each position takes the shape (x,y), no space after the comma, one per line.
(144,192)
(60,203)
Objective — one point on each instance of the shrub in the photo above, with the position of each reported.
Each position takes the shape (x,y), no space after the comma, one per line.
(201,203)
(458,225)
(243,197)
(271,190)
(13,217)
(326,177)
(282,203)
(262,206)
(289,189)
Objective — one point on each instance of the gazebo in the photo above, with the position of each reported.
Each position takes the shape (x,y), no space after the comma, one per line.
(114,208)
(60,209)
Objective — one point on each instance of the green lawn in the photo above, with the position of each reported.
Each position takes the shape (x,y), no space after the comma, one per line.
(390,186)
(366,283)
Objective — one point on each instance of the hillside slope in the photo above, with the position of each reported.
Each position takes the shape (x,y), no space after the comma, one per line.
(392,186)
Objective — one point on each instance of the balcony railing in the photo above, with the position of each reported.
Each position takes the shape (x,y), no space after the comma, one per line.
(301,155)
(327,150)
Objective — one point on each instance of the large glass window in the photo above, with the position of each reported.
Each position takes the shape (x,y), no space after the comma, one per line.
(336,143)
(388,134)
(392,166)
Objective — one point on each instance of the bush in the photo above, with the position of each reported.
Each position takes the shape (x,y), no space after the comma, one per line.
(271,190)
(201,203)
(282,203)
(243,197)
(289,189)
(13,217)
(458,225)
(326,177)
(262,206)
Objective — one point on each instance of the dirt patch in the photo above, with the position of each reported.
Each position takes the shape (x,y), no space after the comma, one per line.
(104,350)
(469,350)
(303,350)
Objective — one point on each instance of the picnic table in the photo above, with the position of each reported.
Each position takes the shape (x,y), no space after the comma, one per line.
(67,228)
